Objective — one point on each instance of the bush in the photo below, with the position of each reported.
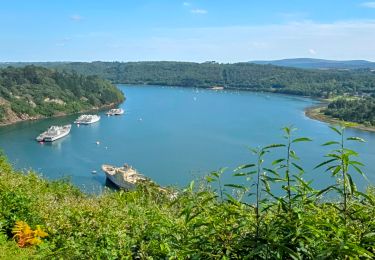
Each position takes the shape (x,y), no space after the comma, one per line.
(207,220)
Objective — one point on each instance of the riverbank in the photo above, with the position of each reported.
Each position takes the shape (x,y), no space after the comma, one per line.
(14,119)
(315,112)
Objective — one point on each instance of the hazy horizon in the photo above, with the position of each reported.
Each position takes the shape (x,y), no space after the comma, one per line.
(125,61)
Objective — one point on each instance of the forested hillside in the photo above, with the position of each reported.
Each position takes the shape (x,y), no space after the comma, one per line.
(34,92)
(318,83)
(355,110)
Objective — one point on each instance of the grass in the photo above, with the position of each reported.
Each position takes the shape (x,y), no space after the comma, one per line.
(206,221)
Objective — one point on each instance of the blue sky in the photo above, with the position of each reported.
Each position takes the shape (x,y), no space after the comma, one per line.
(200,30)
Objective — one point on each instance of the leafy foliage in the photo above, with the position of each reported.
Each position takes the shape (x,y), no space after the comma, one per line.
(320,83)
(25,236)
(359,110)
(37,91)
(207,220)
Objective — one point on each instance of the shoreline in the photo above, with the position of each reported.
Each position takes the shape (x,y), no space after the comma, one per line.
(314,112)
(39,117)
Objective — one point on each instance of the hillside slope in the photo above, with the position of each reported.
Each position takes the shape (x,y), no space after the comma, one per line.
(33,92)
(319,83)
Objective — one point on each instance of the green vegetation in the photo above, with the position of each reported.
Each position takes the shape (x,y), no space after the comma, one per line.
(318,83)
(207,220)
(39,92)
(359,110)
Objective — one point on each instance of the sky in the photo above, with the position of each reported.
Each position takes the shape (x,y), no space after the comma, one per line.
(199,30)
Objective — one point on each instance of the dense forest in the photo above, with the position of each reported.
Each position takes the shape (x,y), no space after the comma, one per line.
(209,219)
(359,110)
(33,92)
(308,82)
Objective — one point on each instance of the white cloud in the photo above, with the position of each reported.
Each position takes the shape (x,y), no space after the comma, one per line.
(186,4)
(76,18)
(368,4)
(199,11)
(312,51)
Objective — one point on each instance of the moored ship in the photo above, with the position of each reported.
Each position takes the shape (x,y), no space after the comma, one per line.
(115,112)
(87,119)
(53,133)
(123,177)
(128,178)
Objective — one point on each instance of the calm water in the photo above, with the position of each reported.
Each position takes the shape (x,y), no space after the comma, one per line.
(174,134)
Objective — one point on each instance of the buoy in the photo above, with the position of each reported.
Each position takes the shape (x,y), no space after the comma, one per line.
(93,172)
(97,142)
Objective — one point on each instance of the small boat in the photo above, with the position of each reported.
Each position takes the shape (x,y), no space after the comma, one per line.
(115,112)
(124,177)
(87,119)
(53,133)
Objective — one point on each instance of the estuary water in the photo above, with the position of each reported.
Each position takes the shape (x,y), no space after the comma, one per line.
(174,135)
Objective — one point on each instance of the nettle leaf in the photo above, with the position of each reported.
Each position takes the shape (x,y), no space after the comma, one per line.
(336,130)
(330,143)
(236,186)
(302,139)
(273,146)
(357,169)
(278,161)
(336,170)
(356,163)
(271,171)
(358,139)
(324,163)
(293,155)
(298,167)
(245,166)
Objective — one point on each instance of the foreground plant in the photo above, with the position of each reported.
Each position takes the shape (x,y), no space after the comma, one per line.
(25,236)
(340,163)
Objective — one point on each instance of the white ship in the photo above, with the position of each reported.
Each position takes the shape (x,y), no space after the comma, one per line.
(115,112)
(53,133)
(87,119)
(123,177)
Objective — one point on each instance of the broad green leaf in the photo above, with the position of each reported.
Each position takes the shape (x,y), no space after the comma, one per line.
(278,161)
(244,166)
(336,130)
(302,139)
(358,139)
(330,143)
(298,167)
(236,186)
(324,163)
(273,146)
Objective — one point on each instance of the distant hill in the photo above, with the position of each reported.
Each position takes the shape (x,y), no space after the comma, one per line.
(271,78)
(307,63)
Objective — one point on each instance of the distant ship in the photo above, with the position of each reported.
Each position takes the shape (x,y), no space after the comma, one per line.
(217,87)
(87,119)
(115,112)
(53,133)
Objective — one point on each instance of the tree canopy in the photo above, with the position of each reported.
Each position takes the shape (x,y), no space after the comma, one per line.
(36,91)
